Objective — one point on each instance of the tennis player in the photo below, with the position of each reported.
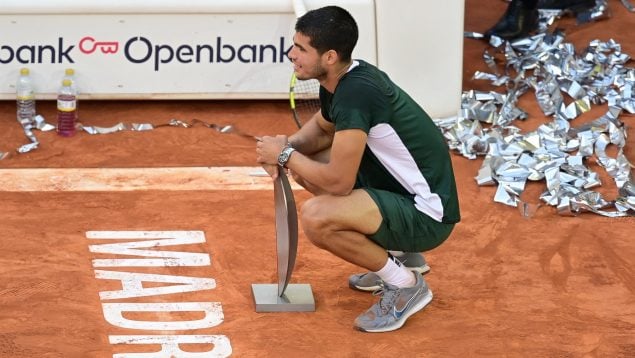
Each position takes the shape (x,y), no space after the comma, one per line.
(378,167)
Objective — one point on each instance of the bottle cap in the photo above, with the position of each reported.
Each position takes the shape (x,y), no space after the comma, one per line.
(24,71)
(69,72)
(66,82)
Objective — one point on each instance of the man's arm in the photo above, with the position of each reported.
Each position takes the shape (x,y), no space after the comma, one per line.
(337,175)
(315,136)
(313,139)
(334,173)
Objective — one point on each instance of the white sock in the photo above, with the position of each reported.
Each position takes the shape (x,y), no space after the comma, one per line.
(396,253)
(396,274)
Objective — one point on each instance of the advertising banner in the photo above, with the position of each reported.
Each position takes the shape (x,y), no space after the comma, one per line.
(150,56)
(159,49)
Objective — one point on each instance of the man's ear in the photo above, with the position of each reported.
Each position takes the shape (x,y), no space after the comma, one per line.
(332,57)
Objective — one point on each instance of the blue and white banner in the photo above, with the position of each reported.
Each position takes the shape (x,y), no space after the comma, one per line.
(222,51)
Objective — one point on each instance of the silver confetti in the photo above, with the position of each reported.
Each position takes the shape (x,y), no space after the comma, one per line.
(628,5)
(102,130)
(141,127)
(40,124)
(28,147)
(36,123)
(566,85)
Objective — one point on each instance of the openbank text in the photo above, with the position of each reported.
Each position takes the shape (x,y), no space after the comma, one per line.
(142,50)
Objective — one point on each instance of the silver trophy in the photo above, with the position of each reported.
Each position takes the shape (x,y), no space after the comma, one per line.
(284,297)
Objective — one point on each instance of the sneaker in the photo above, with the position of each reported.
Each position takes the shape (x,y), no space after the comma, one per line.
(369,281)
(414,261)
(394,307)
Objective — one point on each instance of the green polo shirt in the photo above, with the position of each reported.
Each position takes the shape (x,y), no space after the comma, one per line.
(405,152)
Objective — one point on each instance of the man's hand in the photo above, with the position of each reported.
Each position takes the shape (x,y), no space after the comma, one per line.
(268,149)
(272,170)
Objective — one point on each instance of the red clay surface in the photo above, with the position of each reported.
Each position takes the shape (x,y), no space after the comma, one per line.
(549,286)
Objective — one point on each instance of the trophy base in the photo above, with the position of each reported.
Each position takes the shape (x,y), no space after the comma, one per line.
(296,298)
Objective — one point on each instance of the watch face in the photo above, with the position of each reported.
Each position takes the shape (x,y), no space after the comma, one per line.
(284,156)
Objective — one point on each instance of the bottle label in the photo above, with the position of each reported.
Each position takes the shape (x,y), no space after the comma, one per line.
(66,105)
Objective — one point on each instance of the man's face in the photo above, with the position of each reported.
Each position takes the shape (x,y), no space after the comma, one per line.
(306,59)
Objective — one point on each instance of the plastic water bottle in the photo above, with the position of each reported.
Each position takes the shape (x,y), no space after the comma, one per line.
(25,96)
(69,74)
(66,109)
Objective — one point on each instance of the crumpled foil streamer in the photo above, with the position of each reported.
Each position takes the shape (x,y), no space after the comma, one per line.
(28,124)
(628,5)
(138,127)
(599,12)
(172,123)
(38,122)
(566,84)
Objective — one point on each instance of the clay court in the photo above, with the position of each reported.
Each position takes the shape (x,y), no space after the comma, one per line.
(504,285)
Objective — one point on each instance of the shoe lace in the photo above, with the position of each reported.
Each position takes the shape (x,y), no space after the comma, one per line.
(388,297)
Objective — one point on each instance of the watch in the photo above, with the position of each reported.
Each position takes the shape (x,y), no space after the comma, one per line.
(284,156)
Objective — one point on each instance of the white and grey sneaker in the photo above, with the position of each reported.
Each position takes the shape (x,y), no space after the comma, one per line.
(369,281)
(395,306)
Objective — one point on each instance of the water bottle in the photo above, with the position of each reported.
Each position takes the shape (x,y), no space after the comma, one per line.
(66,109)
(69,74)
(25,97)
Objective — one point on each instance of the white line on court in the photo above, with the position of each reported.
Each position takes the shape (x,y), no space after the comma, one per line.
(132,179)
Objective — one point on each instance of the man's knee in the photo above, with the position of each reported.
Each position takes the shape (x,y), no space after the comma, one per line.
(315,219)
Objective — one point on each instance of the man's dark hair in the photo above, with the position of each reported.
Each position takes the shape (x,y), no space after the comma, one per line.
(330,28)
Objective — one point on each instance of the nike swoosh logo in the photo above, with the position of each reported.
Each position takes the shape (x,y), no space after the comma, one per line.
(398,313)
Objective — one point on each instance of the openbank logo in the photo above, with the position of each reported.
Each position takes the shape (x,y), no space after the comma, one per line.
(142,50)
